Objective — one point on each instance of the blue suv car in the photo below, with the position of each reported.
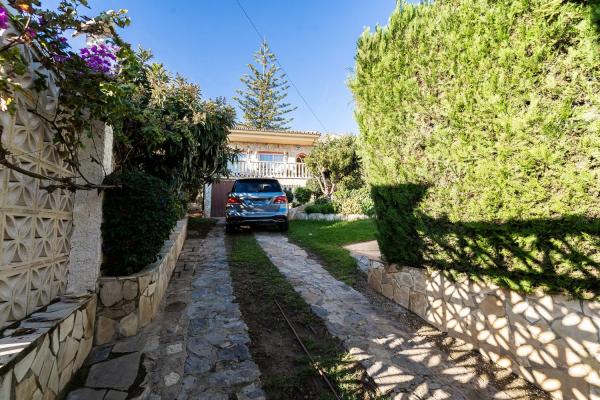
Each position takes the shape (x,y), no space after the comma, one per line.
(256,202)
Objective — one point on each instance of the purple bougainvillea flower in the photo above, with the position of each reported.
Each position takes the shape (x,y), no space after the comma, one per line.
(30,33)
(100,58)
(3,18)
(60,59)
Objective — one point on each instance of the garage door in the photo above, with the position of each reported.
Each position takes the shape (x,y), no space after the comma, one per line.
(218,198)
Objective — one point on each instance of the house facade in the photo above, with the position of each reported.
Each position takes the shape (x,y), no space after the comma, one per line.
(264,153)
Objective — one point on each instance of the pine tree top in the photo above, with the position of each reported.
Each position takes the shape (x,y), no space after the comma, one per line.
(262,101)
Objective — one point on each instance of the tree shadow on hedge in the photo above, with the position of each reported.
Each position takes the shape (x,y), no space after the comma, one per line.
(559,255)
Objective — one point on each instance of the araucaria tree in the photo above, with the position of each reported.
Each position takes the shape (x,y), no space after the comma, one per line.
(262,101)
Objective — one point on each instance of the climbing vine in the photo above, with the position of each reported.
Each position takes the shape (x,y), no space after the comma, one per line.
(33,40)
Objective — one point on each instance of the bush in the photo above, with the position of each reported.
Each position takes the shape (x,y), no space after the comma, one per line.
(138,218)
(335,164)
(480,125)
(314,187)
(289,195)
(321,205)
(302,195)
(356,201)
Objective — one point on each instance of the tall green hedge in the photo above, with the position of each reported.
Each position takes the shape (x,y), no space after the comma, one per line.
(138,218)
(480,132)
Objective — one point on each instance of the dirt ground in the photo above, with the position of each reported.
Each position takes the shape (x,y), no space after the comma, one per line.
(286,370)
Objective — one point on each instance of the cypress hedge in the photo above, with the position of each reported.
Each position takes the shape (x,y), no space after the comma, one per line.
(480,132)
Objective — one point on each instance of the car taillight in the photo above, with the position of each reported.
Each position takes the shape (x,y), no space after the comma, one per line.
(233,200)
(280,200)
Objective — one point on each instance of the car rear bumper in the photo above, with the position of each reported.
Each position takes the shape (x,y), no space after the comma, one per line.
(262,220)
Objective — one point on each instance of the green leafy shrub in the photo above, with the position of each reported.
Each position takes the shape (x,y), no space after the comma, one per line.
(321,205)
(480,135)
(354,201)
(289,195)
(302,195)
(313,185)
(138,218)
(335,164)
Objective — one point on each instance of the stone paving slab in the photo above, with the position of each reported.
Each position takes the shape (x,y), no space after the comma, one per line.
(403,361)
(196,347)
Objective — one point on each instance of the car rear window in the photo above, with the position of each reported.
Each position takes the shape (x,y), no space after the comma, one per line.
(257,186)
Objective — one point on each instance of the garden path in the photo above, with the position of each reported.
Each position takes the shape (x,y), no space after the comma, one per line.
(403,355)
(196,347)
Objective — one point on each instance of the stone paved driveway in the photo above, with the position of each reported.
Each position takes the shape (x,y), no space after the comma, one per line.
(196,348)
(401,354)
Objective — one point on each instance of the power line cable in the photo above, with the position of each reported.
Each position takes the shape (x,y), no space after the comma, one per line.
(261,37)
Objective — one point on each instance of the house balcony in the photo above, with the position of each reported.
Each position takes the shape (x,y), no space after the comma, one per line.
(290,174)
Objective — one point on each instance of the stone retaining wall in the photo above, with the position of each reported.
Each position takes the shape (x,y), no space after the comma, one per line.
(40,354)
(302,216)
(128,303)
(550,340)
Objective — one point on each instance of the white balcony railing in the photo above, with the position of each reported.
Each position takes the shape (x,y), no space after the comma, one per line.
(269,169)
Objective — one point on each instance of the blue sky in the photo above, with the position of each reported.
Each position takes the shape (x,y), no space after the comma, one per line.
(210,42)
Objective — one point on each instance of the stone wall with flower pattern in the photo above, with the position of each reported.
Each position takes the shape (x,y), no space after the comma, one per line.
(35,225)
(550,340)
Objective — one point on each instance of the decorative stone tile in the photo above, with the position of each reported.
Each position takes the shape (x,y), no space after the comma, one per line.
(105,330)
(5,386)
(22,367)
(111,292)
(67,352)
(13,296)
(43,354)
(66,327)
(130,289)
(128,326)
(26,388)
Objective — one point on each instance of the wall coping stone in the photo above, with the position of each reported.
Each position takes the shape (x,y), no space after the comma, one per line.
(32,349)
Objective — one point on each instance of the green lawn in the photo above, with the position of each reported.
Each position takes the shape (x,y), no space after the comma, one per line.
(325,239)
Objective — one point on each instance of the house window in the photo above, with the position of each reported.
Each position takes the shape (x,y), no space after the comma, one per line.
(277,157)
(242,157)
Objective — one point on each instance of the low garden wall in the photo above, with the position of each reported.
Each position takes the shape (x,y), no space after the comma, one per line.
(40,354)
(128,303)
(550,340)
(303,216)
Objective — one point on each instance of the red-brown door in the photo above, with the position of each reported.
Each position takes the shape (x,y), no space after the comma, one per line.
(218,198)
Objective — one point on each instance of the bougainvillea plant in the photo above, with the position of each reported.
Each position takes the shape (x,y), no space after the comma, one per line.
(88,88)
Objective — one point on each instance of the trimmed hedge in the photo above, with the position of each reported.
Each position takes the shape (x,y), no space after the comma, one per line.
(138,218)
(480,134)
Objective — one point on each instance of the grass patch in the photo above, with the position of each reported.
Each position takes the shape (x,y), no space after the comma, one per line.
(199,227)
(286,370)
(326,238)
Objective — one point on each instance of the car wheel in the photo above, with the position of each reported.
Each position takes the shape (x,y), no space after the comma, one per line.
(283,226)
(229,228)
